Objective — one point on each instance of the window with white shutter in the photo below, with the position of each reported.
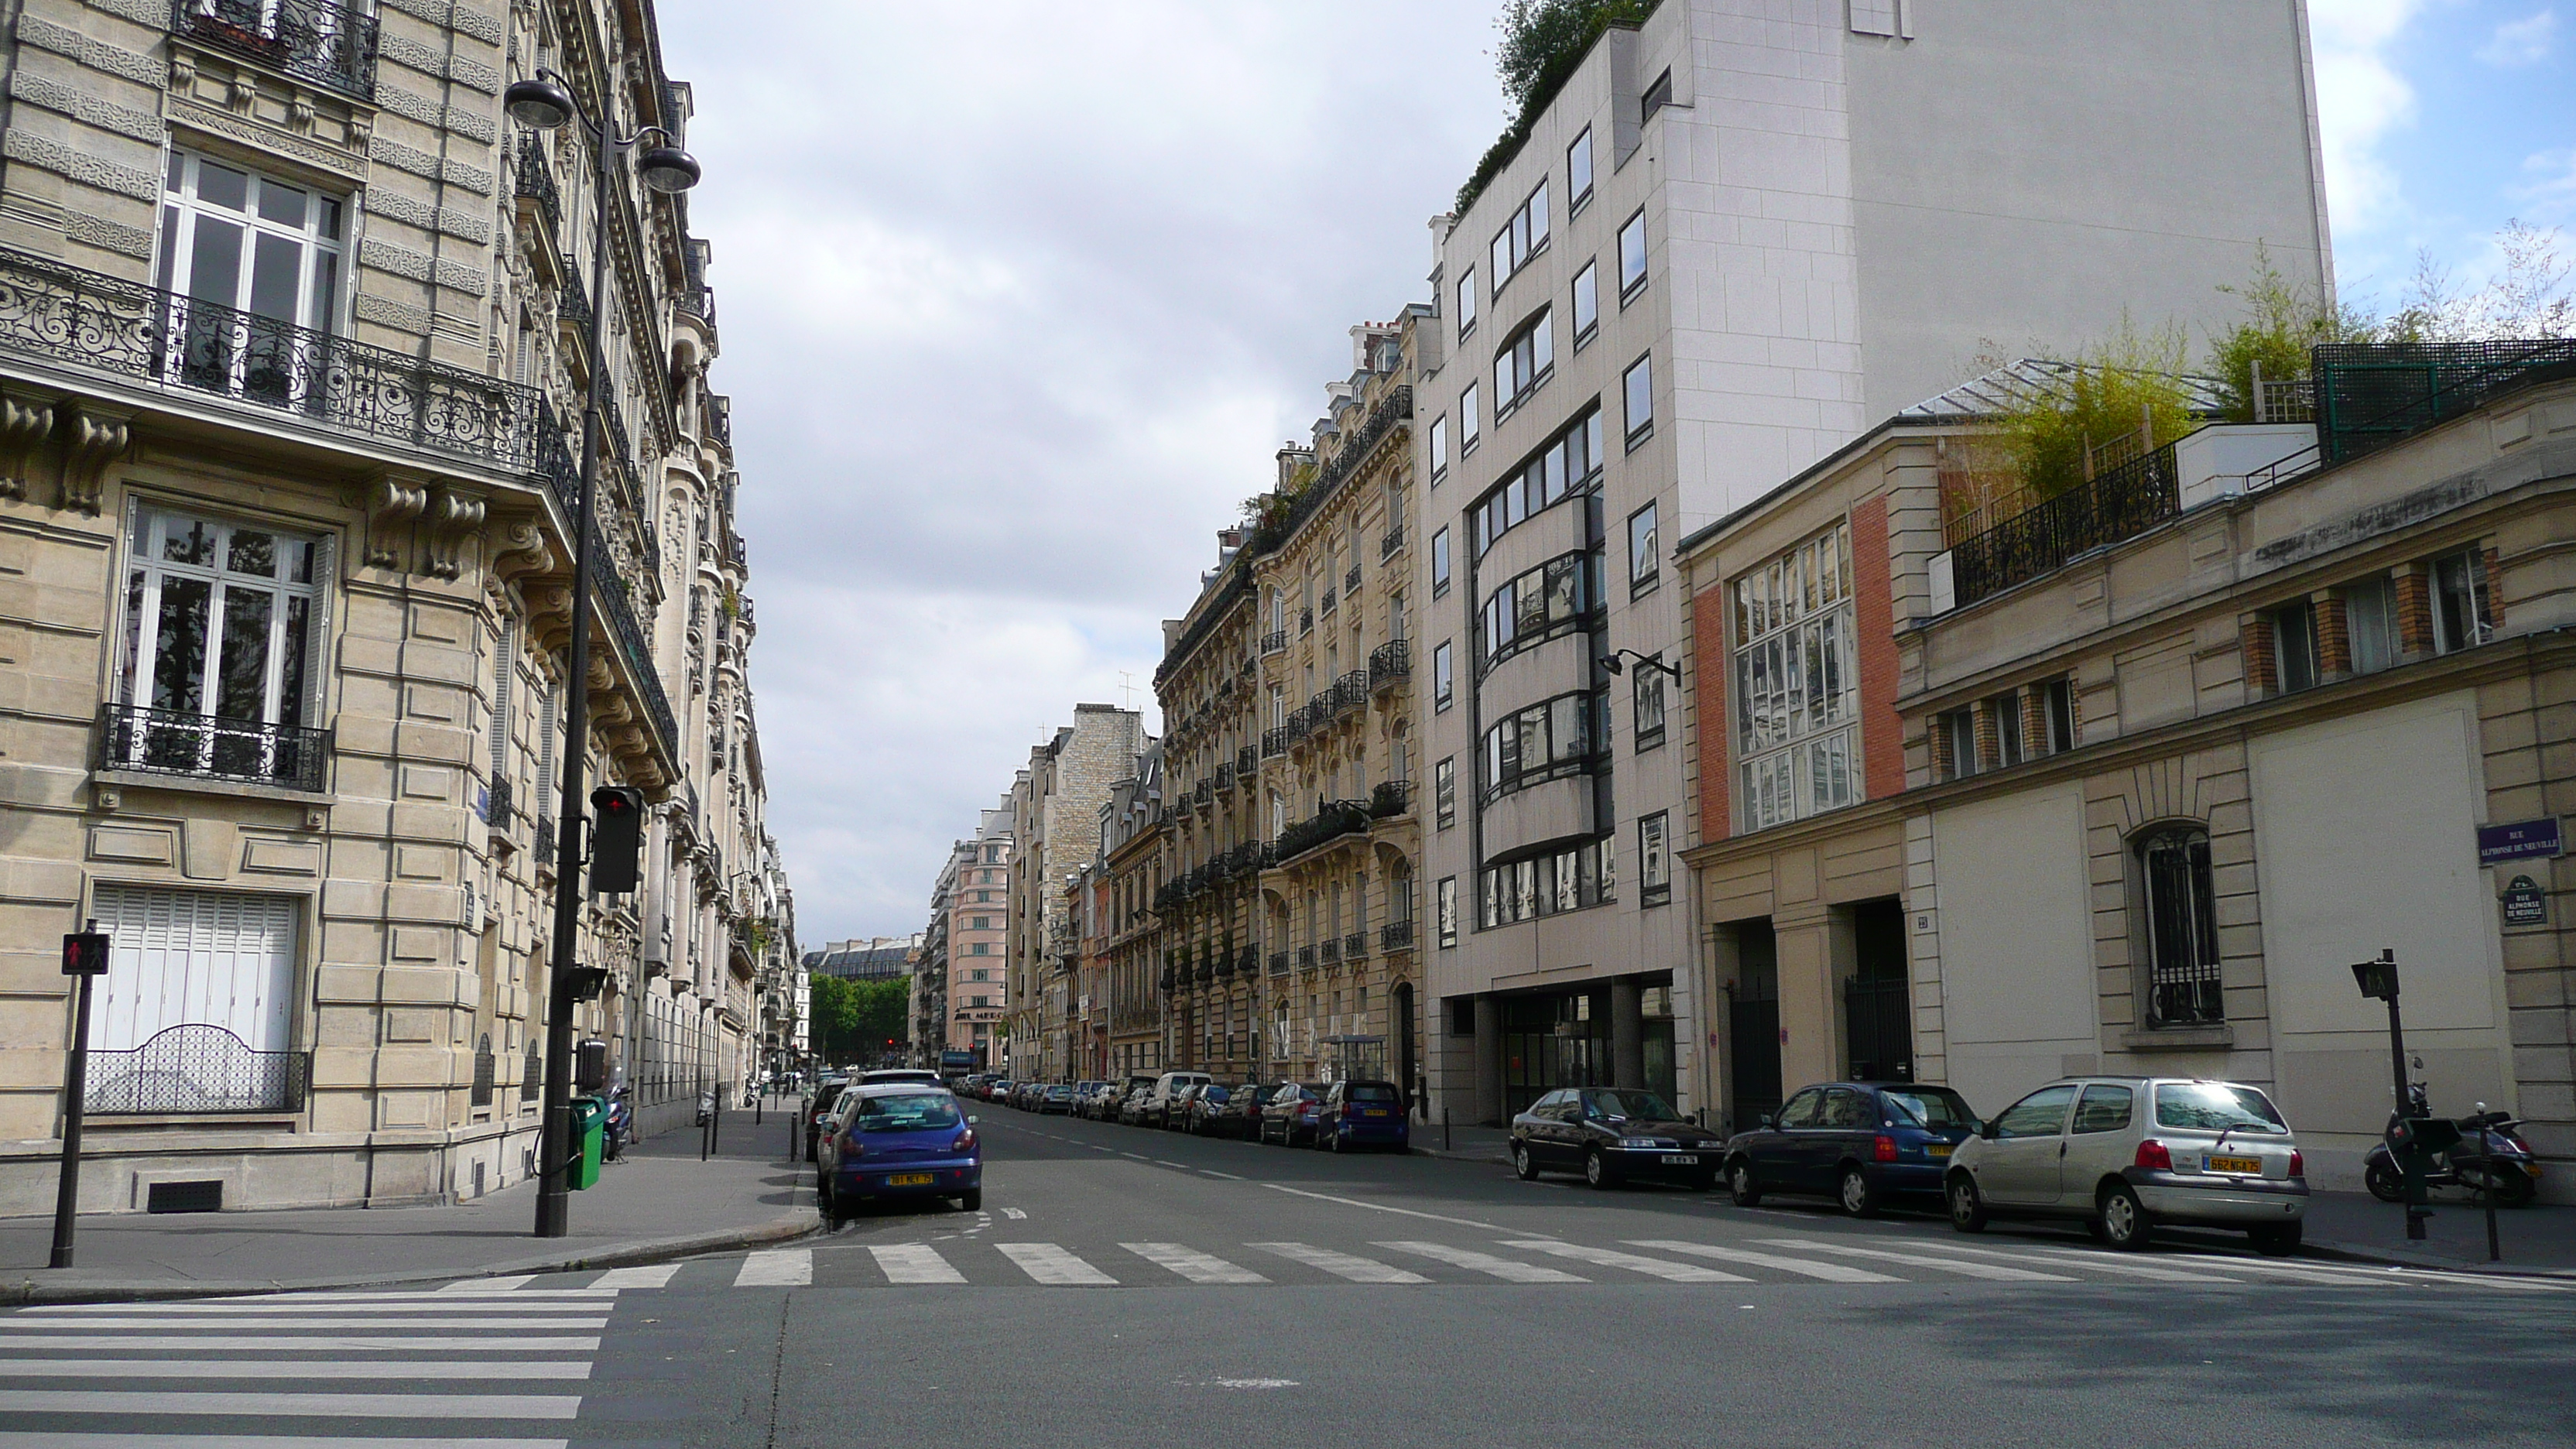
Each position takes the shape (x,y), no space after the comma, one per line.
(195,958)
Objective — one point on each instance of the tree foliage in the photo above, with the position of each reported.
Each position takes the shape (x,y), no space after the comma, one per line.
(2531,294)
(2283,323)
(852,1021)
(2131,382)
(1543,41)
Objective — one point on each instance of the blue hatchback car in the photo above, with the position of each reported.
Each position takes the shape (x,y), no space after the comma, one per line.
(1863,1144)
(1361,1114)
(899,1140)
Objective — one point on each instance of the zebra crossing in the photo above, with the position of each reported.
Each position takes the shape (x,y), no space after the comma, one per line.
(499,1363)
(1405,1262)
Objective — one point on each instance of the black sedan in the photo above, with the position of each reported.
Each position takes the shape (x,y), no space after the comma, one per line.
(1863,1144)
(1222,1111)
(1612,1135)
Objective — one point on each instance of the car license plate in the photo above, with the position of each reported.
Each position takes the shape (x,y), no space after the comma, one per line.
(1936,1149)
(909,1179)
(1680,1159)
(1374,1112)
(2241,1166)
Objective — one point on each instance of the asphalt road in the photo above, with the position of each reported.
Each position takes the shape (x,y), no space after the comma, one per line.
(1135,1288)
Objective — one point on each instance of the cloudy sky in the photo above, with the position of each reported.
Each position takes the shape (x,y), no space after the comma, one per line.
(1017,300)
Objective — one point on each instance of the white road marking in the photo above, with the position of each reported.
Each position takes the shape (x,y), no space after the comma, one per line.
(1256,1383)
(269,1405)
(1340,1265)
(1166,1162)
(471,1285)
(1140,1157)
(444,1295)
(1212,1172)
(914,1263)
(271,1324)
(1192,1264)
(232,1368)
(2104,1262)
(654,1276)
(1054,1266)
(429,1305)
(1014,1214)
(777,1268)
(255,1441)
(1509,1270)
(1664,1268)
(1830,1272)
(279,1343)
(1383,1208)
(1961,1266)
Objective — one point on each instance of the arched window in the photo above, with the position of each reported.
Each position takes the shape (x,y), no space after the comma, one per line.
(2183,987)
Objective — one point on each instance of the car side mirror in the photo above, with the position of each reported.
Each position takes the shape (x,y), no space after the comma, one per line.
(1768,1122)
(1986,1130)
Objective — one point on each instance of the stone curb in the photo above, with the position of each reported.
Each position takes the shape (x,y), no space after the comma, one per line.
(2400,1258)
(786,1228)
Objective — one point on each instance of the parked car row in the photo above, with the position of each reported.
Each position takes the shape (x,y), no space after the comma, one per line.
(1334,1116)
(2120,1154)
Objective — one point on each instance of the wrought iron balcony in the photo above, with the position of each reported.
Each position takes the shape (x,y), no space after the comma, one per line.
(497,802)
(312,40)
(1324,606)
(195,1068)
(1355,946)
(1396,935)
(545,844)
(1274,742)
(1391,544)
(1305,958)
(1274,641)
(145,334)
(1199,793)
(2121,503)
(1336,819)
(1246,760)
(1278,963)
(1390,663)
(1351,580)
(1329,951)
(1390,799)
(1305,621)
(536,181)
(1351,692)
(572,305)
(172,742)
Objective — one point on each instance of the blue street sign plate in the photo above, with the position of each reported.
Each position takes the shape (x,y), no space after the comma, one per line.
(2521,840)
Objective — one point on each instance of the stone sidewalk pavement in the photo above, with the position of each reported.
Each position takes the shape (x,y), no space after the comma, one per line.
(660,1203)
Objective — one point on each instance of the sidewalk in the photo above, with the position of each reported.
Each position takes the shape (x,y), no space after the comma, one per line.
(2353,1225)
(660,1203)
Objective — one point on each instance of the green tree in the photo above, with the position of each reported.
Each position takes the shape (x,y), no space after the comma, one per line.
(881,1016)
(1543,41)
(834,1023)
(2283,323)
(2129,383)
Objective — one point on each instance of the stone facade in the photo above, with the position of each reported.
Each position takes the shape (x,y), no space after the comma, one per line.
(1055,828)
(285,594)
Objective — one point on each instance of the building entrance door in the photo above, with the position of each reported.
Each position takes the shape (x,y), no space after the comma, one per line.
(1877,1014)
(1753,1024)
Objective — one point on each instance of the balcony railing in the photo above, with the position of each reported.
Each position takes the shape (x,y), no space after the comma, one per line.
(166,340)
(313,40)
(1278,963)
(1274,742)
(572,307)
(1246,760)
(2368,395)
(1325,605)
(1351,580)
(1395,936)
(196,1068)
(1305,958)
(171,742)
(1390,799)
(1329,952)
(1355,946)
(1390,663)
(1199,793)
(497,802)
(1336,819)
(1391,544)
(1225,777)
(1351,692)
(536,181)
(2118,504)
(1274,642)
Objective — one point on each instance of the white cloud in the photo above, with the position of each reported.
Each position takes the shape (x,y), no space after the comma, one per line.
(2361,98)
(2549,198)
(2527,41)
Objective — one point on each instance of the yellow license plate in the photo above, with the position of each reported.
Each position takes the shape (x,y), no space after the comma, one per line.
(1374,1112)
(909,1179)
(1936,1149)
(2243,1166)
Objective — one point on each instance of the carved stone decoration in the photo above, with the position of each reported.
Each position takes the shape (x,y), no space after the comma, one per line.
(394,502)
(183,70)
(95,438)
(299,110)
(449,517)
(522,549)
(25,423)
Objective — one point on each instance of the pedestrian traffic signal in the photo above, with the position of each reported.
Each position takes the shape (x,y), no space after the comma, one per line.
(85,953)
(616,838)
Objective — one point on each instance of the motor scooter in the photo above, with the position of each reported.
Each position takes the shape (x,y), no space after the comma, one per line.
(620,1127)
(2506,1164)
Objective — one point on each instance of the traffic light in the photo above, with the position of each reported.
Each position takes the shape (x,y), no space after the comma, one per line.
(85,953)
(616,838)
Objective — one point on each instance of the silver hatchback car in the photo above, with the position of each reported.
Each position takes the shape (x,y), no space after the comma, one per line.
(2127,1153)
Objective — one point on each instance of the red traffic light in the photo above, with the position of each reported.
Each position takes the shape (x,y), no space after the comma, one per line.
(85,953)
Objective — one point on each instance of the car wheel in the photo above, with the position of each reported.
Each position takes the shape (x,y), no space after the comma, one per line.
(1857,1196)
(971,1200)
(2275,1240)
(1967,1205)
(2125,1225)
(2384,1181)
(1598,1171)
(1338,1145)
(1742,1185)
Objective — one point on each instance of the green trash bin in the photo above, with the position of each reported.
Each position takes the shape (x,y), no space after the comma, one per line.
(589,1131)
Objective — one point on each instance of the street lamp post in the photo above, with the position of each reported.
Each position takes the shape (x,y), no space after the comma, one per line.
(544,103)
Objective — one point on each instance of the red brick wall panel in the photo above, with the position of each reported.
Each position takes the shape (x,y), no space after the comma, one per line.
(1882,742)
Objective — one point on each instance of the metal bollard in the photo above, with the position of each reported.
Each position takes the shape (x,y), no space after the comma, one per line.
(1444,1129)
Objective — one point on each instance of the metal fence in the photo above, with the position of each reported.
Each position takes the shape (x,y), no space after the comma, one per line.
(320,41)
(2368,395)
(172,742)
(2117,504)
(195,1068)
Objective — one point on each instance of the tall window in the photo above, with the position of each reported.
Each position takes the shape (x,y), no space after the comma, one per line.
(1567,465)
(1796,688)
(2183,984)
(1632,255)
(1439,449)
(1654,860)
(1522,238)
(1587,303)
(1644,555)
(1646,698)
(1466,303)
(1439,563)
(1444,792)
(254,259)
(2294,645)
(1524,363)
(219,621)
(1638,388)
(1447,896)
(2370,622)
(2460,602)
(1578,173)
(1442,682)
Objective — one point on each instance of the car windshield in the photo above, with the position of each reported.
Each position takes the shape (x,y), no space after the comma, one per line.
(1372,1092)
(1638,1106)
(2215,1107)
(1934,1107)
(909,1112)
